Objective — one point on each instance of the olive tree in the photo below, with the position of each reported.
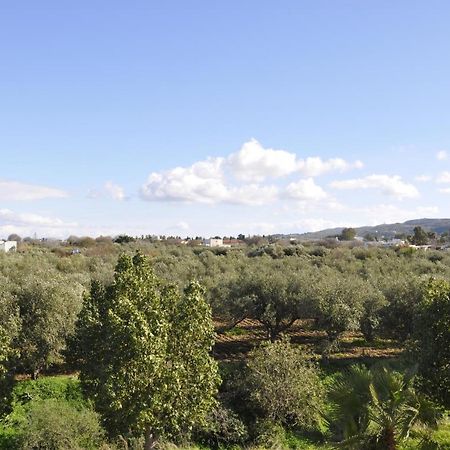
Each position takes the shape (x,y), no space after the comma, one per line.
(9,327)
(285,385)
(48,304)
(432,338)
(340,303)
(272,293)
(144,353)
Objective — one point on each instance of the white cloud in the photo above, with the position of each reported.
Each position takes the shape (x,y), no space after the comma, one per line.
(389,185)
(255,163)
(252,194)
(109,190)
(26,224)
(442,155)
(443,178)
(114,191)
(17,191)
(305,189)
(315,166)
(202,182)
(444,190)
(220,179)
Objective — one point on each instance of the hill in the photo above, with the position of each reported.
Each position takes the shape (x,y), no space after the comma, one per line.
(383,230)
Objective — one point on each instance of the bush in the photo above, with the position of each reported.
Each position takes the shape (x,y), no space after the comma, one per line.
(224,428)
(285,386)
(54,425)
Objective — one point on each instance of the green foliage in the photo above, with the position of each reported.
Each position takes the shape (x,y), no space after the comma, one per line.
(48,309)
(420,236)
(285,385)
(403,295)
(9,328)
(223,428)
(27,395)
(143,350)
(341,303)
(348,234)
(124,239)
(432,340)
(265,292)
(54,425)
(377,409)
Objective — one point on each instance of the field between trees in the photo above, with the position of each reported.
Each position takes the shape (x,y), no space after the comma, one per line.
(234,345)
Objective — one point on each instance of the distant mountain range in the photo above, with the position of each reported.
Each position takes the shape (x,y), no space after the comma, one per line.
(384,230)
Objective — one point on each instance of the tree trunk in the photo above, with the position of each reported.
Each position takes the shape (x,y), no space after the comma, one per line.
(35,374)
(389,439)
(150,440)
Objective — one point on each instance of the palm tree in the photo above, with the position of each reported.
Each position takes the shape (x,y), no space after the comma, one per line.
(376,409)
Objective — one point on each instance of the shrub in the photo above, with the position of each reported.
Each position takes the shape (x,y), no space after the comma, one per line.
(53,425)
(284,385)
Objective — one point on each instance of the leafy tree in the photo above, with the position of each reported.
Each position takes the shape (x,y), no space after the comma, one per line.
(432,338)
(377,409)
(285,385)
(403,294)
(9,327)
(48,305)
(373,304)
(270,294)
(347,234)
(14,237)
(340,303)
(420,236)
(144,356)
(124,239)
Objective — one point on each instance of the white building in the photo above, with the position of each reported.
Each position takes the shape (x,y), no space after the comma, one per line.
(8,246)
(215,242)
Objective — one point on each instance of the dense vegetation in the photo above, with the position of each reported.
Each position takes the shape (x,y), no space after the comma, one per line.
(317,345)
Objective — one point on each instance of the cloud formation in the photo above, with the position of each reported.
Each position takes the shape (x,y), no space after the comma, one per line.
(388,185)
(26,224)
(109,190)
(240,177)
(305,189)
(17,191)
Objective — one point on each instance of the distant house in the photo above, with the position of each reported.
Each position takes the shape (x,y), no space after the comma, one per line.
(233,243)
(215,242)
(8,246)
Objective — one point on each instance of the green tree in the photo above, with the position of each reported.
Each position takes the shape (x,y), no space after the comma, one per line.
(432,338)
(347,234)
(377,409)
(403,293)
(9,328)
(48,304)
(340,304)
(270,293)
(420,236)
(285,385)
(143,350)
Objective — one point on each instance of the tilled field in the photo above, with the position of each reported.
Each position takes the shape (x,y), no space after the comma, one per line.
(236,343)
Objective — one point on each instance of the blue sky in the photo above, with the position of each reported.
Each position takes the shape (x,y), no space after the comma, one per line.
(206,117)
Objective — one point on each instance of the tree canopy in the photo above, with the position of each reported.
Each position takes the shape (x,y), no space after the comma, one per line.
(144,355)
